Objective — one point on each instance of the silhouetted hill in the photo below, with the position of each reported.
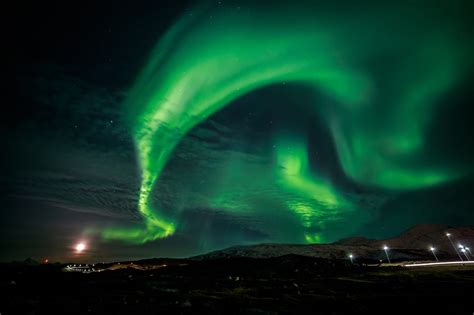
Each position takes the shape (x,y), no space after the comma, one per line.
(425,235)
(412,244)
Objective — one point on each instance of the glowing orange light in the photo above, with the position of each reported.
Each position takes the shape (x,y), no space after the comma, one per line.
(80,247)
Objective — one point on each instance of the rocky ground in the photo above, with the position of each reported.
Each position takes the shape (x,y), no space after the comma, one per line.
(289,284)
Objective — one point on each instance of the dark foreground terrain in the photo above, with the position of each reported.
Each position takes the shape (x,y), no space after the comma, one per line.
(288,284)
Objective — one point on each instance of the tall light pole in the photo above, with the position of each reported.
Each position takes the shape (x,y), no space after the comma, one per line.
(463,250)
(469,251)
(432,249)
(351,257)
(451,241)
(385,248)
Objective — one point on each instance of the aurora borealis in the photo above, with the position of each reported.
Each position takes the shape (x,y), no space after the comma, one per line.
(209,59)
(243,122)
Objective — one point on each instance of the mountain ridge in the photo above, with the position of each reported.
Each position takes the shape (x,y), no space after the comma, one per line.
(413,243)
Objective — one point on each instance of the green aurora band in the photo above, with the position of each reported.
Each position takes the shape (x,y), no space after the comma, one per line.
(218,53)
(294,175)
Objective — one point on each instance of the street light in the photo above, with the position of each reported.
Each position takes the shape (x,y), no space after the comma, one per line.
(351,257)
(385,248)
(464,250)
(432,249)
(451,241)
(468,250)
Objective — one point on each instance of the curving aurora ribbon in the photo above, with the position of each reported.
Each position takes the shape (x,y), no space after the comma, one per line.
(354,54)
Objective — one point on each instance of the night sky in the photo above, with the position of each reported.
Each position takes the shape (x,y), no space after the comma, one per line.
(169,129)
